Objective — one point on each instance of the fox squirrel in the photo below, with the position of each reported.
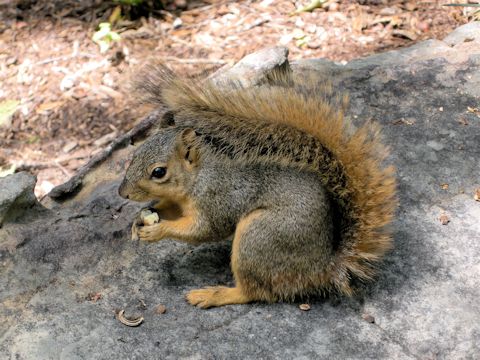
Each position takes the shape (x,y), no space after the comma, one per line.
(306,197)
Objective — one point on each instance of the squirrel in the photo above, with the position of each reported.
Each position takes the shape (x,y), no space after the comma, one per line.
(306,196)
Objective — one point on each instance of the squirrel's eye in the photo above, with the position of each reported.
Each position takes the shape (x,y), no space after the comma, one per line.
(159,172)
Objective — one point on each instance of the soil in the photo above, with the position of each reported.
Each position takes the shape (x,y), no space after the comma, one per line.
(74,99)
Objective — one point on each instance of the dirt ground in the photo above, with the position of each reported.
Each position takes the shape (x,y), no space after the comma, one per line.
(72,99)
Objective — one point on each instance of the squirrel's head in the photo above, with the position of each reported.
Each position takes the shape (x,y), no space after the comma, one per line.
(164,167)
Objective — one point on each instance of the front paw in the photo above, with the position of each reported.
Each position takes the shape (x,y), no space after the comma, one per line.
(149,233)
(145,218)
(135,228)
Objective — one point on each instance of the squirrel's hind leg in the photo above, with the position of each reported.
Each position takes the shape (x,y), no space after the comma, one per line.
(217,296)
(221,295)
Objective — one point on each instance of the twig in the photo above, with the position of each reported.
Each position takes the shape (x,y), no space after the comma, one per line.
(65,171)
(181,41)
(63,58)
(256,23)
(196,61)
(464,5)
(40,165)
(34,166)
(206,7)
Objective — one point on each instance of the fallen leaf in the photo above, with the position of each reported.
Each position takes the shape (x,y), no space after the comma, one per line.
(7,109)
(389,10)
(382,20)
(404,121)
(410,35)
(333,7)
(49,106)
(69,146)
(115,15)
(105,139)
(314,44)
(310,7)
(473,110)
(7,171)
(423,26)
(444,186)
(411,6)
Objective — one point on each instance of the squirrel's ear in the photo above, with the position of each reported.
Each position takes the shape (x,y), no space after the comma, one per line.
(167,120)
(186,146)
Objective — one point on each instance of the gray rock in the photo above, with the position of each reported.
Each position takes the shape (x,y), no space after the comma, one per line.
(254,68)
(468,32)
(16,195)
(76,265)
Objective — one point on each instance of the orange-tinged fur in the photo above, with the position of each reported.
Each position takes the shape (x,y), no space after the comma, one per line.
(217,296)
(303,122)
(179,220)
(242,226)
(220,295)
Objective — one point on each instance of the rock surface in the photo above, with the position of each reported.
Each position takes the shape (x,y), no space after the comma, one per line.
(16,195)
(73,265)
(254,68)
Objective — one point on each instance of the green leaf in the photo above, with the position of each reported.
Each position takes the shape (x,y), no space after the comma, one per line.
(104,29)
(114,36)
(129,2)
(310,7)
(104,36)
(7,109)
(7,171)
(33,139)
(465,5)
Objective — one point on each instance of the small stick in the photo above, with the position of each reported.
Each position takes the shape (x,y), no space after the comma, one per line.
(196,61)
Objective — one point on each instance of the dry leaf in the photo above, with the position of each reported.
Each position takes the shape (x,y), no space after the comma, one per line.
(411,6)
(444,186)
(7,109)
(49,106)
(389,10)
(404,121)
(382,20)
(410,35)
(473,110)
(310,7)
(69,146)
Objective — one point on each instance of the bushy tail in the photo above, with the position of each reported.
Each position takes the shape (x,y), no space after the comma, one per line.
(296,122)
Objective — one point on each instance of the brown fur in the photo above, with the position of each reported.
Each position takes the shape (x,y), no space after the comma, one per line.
(295,122)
